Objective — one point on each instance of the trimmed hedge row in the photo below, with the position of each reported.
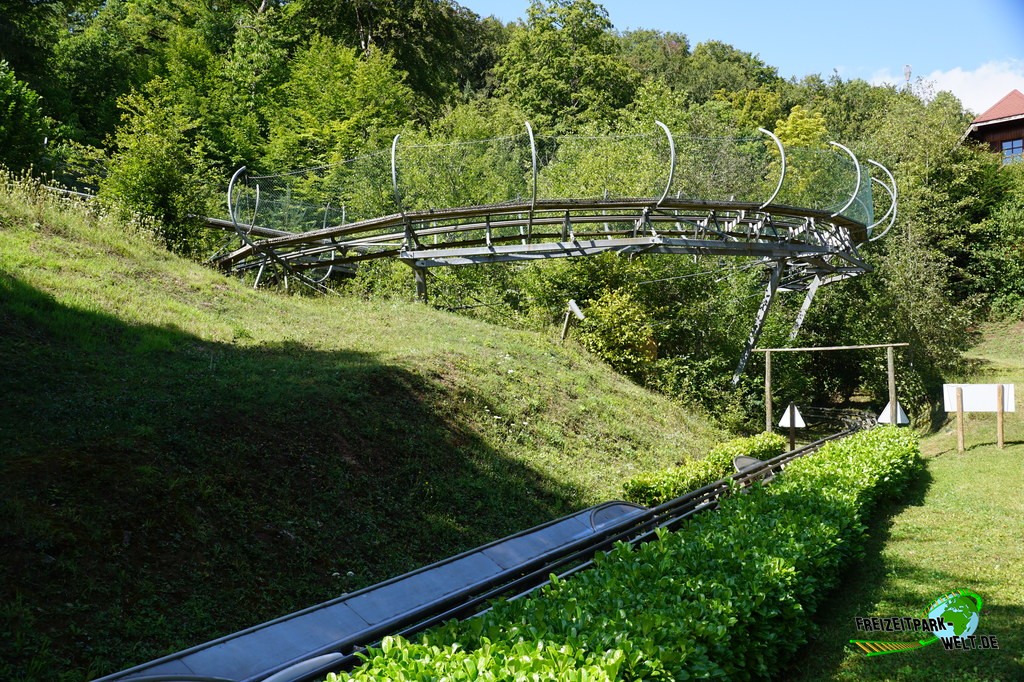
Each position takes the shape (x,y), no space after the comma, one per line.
(728,595)
(653,489)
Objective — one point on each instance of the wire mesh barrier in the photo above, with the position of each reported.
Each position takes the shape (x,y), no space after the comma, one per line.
(602,167)
(465,173)
(523,197)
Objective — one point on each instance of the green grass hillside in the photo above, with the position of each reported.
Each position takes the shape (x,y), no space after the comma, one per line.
(182,456)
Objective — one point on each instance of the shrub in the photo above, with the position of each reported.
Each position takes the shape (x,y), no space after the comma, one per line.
(22,126)
(159,171)
(728,595)
(655,488)
(618,329)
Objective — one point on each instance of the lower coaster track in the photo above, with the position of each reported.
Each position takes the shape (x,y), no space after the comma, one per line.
(306,645)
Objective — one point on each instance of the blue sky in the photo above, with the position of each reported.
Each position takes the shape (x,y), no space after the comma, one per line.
(974,48)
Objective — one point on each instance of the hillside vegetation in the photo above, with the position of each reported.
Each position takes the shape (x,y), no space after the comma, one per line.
(183,456)
(154,105)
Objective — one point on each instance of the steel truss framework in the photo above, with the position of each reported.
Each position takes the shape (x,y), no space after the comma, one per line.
(802,248)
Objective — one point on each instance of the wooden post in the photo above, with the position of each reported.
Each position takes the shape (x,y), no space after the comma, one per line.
(893,409)
(565,325)
(792,428)
(999,415)
(768,422)
(959,419)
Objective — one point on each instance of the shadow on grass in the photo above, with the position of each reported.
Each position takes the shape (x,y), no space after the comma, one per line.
(889,586)
(859,588)
(157,490)
(974,446)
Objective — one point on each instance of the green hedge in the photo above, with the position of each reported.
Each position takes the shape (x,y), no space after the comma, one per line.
(728,595)
(653,489)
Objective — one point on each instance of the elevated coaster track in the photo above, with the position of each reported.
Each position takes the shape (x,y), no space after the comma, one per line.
(803,213)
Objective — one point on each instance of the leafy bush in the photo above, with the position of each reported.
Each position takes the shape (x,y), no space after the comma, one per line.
(618,329)
(728,595)
(395,660)
(22,126)
(159,171)
(655,488)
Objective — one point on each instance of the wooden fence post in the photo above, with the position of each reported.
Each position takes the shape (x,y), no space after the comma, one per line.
(893,409)
(792,427)
(959,419)
(999,415)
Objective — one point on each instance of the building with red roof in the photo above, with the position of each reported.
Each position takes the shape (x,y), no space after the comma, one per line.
(1002,127)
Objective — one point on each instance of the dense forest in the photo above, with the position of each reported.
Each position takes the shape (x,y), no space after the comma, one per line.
(152,105)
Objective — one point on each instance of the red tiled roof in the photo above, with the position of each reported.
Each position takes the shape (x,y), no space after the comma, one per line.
(1011,105)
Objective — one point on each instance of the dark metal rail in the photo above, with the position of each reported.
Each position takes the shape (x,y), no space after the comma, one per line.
(580,556)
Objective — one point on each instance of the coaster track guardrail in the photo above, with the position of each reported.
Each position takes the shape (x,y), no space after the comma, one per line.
(814,226)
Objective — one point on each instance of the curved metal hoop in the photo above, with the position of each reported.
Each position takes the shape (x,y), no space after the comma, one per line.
(394,172)
(231,208)
(672,161)
(533,199)
(329,254)
(856,190)
(782,175)
(231,188)
(893,194)
(269,254)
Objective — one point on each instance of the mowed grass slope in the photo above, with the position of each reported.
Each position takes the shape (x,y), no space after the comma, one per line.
(964,529)
(182,456)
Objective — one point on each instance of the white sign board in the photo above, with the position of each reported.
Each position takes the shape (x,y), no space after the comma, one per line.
(575,309)
(978,397)
(792,418)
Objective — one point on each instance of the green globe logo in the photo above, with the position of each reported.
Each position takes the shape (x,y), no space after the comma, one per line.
(959,610)
(951,619)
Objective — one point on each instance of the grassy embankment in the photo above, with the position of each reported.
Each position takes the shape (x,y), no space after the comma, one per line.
(182,456)
(963,530)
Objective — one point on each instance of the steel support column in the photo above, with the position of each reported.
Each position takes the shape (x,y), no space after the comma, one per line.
(421,283)
(811,290)
(762,316)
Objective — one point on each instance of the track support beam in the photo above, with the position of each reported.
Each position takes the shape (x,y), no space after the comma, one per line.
(811,290)
(762,317)
(421,283)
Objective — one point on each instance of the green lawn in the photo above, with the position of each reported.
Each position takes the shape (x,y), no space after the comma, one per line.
(963,528)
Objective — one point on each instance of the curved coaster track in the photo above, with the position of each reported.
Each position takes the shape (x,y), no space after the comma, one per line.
(803,213)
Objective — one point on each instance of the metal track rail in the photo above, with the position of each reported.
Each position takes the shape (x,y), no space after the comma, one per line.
(563,228)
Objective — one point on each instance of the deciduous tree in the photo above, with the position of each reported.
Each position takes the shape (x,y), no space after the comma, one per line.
(563,66)
(160,170)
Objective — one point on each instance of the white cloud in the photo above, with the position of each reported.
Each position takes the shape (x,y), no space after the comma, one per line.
(978,89)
